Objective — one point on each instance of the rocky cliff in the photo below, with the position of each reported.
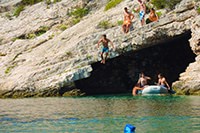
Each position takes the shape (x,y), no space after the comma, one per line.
(45,50)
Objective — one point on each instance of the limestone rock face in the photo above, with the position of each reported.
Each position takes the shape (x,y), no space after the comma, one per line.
(189,82)
(195,40)
(49,64)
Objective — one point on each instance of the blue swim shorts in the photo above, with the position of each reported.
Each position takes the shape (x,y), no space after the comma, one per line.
(105,49)
(141,14)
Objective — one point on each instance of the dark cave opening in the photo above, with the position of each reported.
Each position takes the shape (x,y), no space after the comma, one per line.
(120,74)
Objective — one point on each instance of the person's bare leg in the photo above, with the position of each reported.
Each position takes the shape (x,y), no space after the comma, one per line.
(102,57)
(134,91)
(142,21)
(124,28)
(104,61)
(128,28)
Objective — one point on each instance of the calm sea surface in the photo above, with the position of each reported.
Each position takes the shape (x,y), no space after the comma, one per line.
(101,114)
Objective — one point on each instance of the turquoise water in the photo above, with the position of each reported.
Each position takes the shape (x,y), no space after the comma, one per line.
(101,114)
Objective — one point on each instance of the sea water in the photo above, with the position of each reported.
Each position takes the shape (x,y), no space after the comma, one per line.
(101,114)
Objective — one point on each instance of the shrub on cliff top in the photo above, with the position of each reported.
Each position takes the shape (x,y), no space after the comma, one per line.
(18,10)
(79,12)
(198,10)
(112,3)
(105,24)
(160,4)
(30,2)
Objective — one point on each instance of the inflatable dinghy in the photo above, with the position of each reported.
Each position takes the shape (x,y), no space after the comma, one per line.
(154,89)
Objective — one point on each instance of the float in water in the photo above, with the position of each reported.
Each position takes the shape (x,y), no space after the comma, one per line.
(154,89)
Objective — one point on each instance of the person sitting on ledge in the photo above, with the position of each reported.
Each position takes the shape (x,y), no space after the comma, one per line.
(128,17)
(141,84)
(152,16)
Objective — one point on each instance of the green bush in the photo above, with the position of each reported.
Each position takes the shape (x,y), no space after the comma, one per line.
(30,2)
(8,15)
(159,14)
(111,4)
(48,2)
(75,21)
(105,24)
(198,10)
(55,1)
(9,69)
(120,22)
(18,10)
(160,4)
(30,36)
(63,27)
(79,12)
(41,30)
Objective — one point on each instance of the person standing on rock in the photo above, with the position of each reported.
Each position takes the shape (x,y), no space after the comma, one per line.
(104,41)
(142,9)
(128,17)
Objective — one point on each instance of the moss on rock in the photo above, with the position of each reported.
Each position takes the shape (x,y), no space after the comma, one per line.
(74,92)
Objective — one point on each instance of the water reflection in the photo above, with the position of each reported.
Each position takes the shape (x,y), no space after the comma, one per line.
(101,114)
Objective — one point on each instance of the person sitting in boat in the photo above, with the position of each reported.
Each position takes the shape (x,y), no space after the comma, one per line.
(162,81)
(141,84)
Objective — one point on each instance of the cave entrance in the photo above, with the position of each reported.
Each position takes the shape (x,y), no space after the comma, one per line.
(120,74)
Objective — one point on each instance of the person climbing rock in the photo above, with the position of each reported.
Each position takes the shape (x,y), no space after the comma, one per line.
(104,41)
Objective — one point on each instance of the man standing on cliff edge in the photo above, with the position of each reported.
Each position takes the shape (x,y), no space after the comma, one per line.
(105,48)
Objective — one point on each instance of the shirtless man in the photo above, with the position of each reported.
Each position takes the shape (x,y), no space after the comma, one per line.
(128,17)
(141,84)
(105,48)
(162,81)
(142,12)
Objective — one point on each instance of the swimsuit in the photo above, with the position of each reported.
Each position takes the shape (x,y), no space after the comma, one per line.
(141,14)
(127,22)
(163,86)
(105,49)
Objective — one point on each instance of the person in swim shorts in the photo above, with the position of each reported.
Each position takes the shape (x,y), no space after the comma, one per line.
(163,82)
(142,9)
(105,48)
(141,84)
(128,17)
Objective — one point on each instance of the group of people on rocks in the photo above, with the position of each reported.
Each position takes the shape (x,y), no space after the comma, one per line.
(128,17)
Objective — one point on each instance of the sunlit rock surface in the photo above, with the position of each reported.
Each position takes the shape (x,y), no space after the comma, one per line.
(49,64)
